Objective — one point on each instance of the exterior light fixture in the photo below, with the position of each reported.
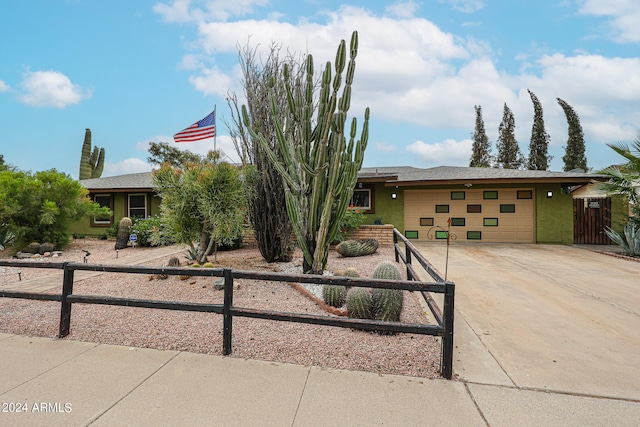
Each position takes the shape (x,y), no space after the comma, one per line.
(549,194)
(394,196)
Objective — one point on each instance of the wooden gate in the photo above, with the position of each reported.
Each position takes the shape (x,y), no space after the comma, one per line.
(590,216)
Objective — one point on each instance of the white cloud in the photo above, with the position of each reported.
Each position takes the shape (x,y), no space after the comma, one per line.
(50,89)
(198,11)
(466,6)
(448,152)
(4,87)
(384,147)
(405,9)
(126,166)
(212,81)
(623,17)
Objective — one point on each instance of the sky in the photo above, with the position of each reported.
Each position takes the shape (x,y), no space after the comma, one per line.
(140,71)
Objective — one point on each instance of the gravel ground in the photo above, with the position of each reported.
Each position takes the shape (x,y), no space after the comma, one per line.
(330,347)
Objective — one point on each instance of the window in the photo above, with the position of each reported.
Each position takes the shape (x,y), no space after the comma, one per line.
(411,234)
(507,208)
(137,206)
(440,234)
(474,235)
(457,195)
(490,222)
(490,195)
(426,222)
(525,194)
(363,198)
(474,208)
(457,222)
(442,208)
(104,200)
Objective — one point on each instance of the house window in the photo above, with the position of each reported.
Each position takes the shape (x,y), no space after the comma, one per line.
(457,222)
(426,222)
(363,198)
(490,195)
(440,234)
(457,195)
(474,208)
(510,208)
(137,206)
(490,222)
(104,200)
(442,208)
(474,235)
(411,234)
(525,194)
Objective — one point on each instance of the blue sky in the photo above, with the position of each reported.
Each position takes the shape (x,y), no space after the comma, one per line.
(140,71)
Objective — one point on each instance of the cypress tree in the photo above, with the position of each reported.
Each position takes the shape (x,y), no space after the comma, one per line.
(539,145)
(481,156)
(509,155)
(574,157)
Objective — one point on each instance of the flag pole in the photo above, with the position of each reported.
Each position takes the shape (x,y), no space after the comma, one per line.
(215,128)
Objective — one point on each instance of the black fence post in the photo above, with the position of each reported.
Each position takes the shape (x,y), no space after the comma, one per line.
(65,310)
(226,310)
(447,339)
(395,245)
(407,252)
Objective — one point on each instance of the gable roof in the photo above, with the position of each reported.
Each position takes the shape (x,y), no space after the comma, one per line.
(121,183)
(406,175)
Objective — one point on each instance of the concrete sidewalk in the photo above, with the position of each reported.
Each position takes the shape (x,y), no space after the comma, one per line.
(70,383)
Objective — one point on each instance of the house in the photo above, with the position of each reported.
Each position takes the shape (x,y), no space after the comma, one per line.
(483,204)
(131,195)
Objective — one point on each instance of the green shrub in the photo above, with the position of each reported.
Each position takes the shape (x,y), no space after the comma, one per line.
(151,232)
(352,219)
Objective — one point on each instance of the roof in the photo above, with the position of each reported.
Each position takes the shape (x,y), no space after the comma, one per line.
(391,175)
(132,181)
(406,175)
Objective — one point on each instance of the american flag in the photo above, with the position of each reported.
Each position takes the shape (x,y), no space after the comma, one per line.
(205,128)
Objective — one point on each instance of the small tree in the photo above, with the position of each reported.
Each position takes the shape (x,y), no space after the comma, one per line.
(161,153)
(42,206)
(91,163)
(574,157)
(481,156)
(509,155)
(319,168)
(202,203)
(264,187)
(625,179)
(539,145)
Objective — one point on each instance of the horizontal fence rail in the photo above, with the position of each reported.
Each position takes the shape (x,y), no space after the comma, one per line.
(227,309)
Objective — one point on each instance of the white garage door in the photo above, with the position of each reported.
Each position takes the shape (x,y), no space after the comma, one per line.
(488,215)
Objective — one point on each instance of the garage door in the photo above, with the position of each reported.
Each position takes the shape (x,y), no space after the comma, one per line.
(488,215)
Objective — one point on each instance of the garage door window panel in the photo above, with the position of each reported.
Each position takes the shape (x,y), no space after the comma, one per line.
(457,222)
(490,222)
(426,222)
(508,208)
(442,208)
(490,195)
(474,235)
(525,194)
(474,208)
(457,195)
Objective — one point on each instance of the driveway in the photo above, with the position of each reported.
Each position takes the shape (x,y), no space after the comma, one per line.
(544,317)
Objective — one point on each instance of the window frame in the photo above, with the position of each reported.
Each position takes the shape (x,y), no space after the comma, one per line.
(145,197)
(370,189)
(102,222)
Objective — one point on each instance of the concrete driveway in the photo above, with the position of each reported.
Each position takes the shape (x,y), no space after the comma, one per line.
(544,317)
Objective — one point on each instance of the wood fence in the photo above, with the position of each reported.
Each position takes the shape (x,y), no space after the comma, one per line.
(228,310)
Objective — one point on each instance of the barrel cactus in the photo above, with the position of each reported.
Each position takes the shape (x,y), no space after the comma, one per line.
(46,247)
(208,265)
(351,272)
(359,303)
(123,233)
(173,262)
(334,295)
(34,248)
(386,304)
(358,247)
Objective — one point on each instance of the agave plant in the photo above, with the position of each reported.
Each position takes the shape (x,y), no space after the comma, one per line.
(630,242)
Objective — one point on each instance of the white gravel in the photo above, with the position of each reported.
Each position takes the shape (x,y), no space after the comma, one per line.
(287,342)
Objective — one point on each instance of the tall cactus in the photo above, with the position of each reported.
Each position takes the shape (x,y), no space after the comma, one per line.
(319,168)
(91,163)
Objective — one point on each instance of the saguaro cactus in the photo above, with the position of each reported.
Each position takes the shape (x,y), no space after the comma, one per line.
(319,168)
(91,163)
